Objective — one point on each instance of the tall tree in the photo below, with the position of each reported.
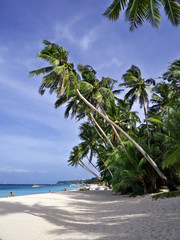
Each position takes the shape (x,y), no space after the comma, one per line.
(75,159)
(138,11)
(63,77)
(139,86)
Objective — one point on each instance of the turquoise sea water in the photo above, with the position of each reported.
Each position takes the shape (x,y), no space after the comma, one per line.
(27,189)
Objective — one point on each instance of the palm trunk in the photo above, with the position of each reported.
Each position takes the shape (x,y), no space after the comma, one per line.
(89,170)
(99,133)
(148,132)
(93,164)
(102,132)
(116,133)
(149,159)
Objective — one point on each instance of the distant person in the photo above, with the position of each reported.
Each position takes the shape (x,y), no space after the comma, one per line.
(49,191)
(12,194)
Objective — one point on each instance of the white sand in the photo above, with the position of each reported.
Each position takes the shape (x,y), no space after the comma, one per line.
(88,215)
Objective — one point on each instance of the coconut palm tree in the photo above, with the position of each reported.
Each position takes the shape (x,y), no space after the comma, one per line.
(173,73)
(139,86)
(138,11)
(167,131)
(76,157)
(90,142)
(163,98)
(62,78)
(129,171)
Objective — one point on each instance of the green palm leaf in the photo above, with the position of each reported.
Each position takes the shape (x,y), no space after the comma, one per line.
(172,9)
(153,14)
(41,71)
(114,9)
(173,158)
(136,13)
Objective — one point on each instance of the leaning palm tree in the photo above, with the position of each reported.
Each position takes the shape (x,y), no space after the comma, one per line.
(76,157)
(62,78)
(96,92)
(138,11)
(133,79)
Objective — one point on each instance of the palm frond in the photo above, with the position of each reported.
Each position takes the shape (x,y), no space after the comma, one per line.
(173,158)
(113,11)
(39,71)
(135,13)
(54,61)
(172,9)
(153,14)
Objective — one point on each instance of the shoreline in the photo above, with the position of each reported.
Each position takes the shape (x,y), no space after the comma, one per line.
(87,215)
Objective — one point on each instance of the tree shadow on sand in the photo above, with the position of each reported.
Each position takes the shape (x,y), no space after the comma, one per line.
(85,214)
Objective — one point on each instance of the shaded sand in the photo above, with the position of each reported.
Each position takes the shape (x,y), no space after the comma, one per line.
(88,215)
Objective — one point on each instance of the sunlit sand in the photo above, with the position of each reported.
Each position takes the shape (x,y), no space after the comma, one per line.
(88,215)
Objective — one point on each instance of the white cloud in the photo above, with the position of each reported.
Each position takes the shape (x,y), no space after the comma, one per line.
(109,63)
(18,170)
(10,170)
(69,32)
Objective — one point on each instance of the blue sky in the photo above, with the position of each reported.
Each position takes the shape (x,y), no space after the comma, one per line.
(35,139)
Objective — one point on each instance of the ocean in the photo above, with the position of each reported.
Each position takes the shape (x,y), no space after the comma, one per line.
(28,189)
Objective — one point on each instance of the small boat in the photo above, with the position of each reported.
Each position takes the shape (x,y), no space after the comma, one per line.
(35,185)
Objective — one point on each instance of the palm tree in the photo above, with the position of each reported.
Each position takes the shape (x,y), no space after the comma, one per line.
(90,142)
(133,79)
(97,92)
(170,138)
(59,76)
(137,11)
(173,73)
(75,159)
(129,171)
(163,98)
(63,78)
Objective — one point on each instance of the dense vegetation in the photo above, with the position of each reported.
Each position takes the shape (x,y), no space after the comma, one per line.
(131,154)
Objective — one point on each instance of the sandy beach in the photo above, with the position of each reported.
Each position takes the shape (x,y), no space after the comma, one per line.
(89,215)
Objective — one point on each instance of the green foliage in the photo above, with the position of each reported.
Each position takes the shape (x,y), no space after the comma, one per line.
(138,11)
(129,171)
(118,162)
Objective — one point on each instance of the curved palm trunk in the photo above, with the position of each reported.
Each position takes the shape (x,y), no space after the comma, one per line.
(149,159)
(99,133)
(102,132)
(98,152)
(116,133)
(88,169)
(93,165)
(148,132)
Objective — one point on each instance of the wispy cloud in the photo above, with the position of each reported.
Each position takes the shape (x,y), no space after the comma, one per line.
(24,102)
(114,62)
(68,31)
(19,170)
